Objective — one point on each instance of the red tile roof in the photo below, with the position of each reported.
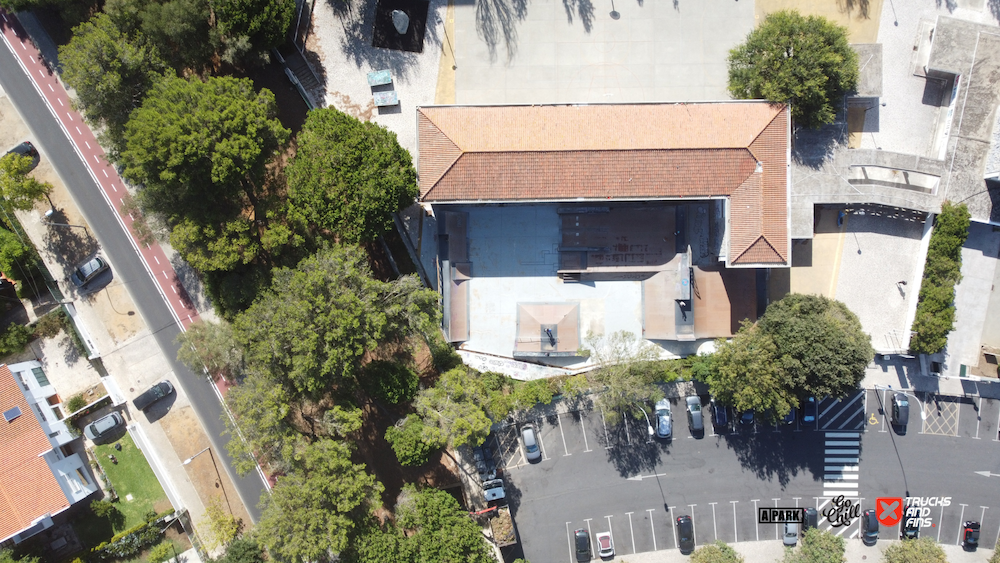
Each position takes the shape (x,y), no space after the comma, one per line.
(27,487)
(618,152)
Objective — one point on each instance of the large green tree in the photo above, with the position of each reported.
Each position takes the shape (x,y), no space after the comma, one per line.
(453,410)
(349,176)
(311,513)
(923,550)
(627,370)
(718,552)
(210,345)
(747,376)
(18,189)
(317,321)
(804,61)
(437,529)
(255,25)
(821,346)
(817,546)
(262,433)
(111,73)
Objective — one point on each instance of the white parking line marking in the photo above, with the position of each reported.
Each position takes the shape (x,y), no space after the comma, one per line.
(840,468)
(941,521)
(563,434)
(776,536)
(736,534)
(673,528)
(590,533)
(583,427)
(715,525)
(796,499)
(631,531)
(694,528)
(607,439)
(843,434)
(541,444)
(756,525)
(884,399)
(979,419)
(652,528)
(569,537)
(961,518)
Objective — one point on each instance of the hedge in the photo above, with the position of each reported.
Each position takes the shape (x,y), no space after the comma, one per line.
(935,315)
(131,542)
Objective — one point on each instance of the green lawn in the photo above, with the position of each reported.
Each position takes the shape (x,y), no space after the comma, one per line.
(131,475)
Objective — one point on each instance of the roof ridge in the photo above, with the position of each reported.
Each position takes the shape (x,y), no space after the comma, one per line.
(763,130)
(755,246)
(441,157)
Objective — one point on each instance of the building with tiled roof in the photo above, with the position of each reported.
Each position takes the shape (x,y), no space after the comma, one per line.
(40,476)
(557,221)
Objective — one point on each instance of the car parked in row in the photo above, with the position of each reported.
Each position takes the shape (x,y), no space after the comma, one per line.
(810,518)
(970,535)
(103,427)
(869,527)
(605,545)
(493,490)
(582,540)
(27,149)
(809,408)
(910,530)
(152,395)
(900,409)
(695,421)
(791,535)
(720,413)
(685,534)
(664,425)
(746,417)
(485,466)
(529,437)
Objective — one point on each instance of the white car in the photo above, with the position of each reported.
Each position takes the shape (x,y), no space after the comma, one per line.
(531,450)
(605,546)
(663,426)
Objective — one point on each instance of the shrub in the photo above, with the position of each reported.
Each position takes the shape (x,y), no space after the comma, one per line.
(76,402)
(50,325)
(102,508)
(14,338)
(407,440)
(391,382)
(161,553)
(935,314)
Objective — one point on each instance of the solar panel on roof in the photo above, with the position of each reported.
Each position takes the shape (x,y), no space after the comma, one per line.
(10,414)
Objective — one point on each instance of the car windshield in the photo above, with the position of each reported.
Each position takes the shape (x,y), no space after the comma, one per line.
(695,407)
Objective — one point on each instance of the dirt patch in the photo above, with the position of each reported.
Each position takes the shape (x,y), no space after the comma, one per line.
(209,479)
(117,312)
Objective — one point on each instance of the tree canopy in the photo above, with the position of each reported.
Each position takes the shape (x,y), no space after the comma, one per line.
(111,73)
(310,513)
(349,176)
(923,550)
(718,552)
(817,546)
(935,314)
(313,326)
(259,25)
(438,530)
(19,190)
(747,376)
(210,345)
(805,61)
(627,369)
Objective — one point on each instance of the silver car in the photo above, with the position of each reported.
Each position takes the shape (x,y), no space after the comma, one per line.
(88,271)
(531,449)
(103,426)
(791,536)
(663,426)
(695,420)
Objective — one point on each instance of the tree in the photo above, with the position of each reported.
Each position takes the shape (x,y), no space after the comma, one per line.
(261,432)
(19,190)
(806,62)
(453,410)
(409,443)
(7,556)
(310,514)
(376,543)
(224,527)
(13,339)
(313,326)
(718,552)
(821,346)
(18,259)
(935,314)
(390,381)
(438,530)
(210,345)
(923,550)
(199,148)
(161,553)
(255,25)
(111,73)
(747,375)
(180,30)
(626,369)
(243,549)
(817,547)
(348,177)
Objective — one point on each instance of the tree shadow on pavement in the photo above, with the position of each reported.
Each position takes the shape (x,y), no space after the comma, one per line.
(777,455)
(358,20)
(584,9)
(70,244)
(630,449)
(496,21)
(814,147)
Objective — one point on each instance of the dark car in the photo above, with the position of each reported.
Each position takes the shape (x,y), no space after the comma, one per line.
(483,457)
(910,529)
(103,426)
(809,410)
(88,271)
(685,534)
(810,518)
(695,421)
(29,150)
(747,417)
(720,414)
(155,393)
(582,539)
(900,409)
(790,417)
(970,535)
(869,527)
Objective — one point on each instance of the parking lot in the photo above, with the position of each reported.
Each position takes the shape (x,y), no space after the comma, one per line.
(611,475)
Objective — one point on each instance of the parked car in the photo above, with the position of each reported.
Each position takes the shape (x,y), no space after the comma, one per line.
(720,414)
(909,530)
(531,450)
(900,409)
(809,518)
(605,545)
(483,457)
(88,271)
(153,394)
(29,150)
(746,418)
(791,535)
(582,539)
(790,417)
(695,421)
(809,408)
(970,535)
(869,527)
(102,427)
(493,490)
(685,534)
(663,426)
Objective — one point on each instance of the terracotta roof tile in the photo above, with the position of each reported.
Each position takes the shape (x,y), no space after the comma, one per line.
(27,487)
(623,151)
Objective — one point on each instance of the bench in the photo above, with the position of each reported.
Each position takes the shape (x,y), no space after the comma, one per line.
(379,77)
(383,99)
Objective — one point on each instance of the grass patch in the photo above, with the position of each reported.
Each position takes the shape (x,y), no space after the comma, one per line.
(131,475)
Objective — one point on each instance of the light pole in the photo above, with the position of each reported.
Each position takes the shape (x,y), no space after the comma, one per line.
(217,474)
(649,425)
(47,220)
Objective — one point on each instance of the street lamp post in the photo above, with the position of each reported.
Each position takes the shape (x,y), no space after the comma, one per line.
(649,425)
(48,221)
(217,474)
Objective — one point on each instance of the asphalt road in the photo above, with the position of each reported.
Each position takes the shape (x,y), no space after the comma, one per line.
(127,264)
(605,475)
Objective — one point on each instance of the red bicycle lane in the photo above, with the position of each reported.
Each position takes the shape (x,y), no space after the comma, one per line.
(111,185)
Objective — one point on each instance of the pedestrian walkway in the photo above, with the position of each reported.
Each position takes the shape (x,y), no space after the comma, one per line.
(840,464)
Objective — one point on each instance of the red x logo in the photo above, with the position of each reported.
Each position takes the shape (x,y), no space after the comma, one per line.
(889,510)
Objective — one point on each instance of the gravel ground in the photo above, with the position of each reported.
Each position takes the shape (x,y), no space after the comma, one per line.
(342,37)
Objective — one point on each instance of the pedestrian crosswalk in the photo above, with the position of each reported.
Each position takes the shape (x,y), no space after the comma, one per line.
(841,455)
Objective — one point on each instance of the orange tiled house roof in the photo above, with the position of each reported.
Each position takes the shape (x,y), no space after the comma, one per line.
(27,487)
(619,152)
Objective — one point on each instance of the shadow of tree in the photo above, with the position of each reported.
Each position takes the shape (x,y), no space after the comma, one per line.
(584,9)
(813,147)
(357,17)
(496,20)
(69,244)
(848,6)
(950,5)
(776,455)
(994,7)
(630,449)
